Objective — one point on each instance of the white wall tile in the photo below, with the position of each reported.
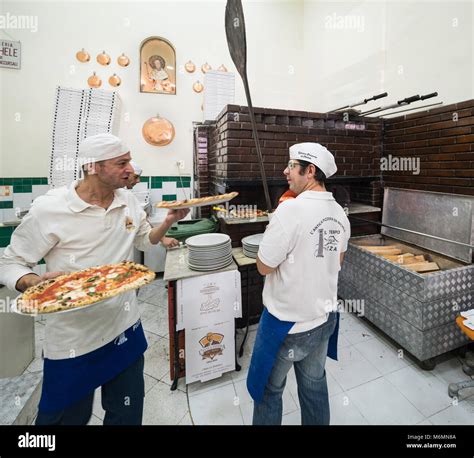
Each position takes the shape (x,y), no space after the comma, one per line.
(36,270)
(183,193)
(39,190)
(141,187)
(1,215)
(22,200)
(169,187)
(156,195)
(9,214)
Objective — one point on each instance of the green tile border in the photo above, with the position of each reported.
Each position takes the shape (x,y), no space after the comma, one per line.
(23,184)
(6,204)
(7,231)
(26,181)
(23,188)
(169,197)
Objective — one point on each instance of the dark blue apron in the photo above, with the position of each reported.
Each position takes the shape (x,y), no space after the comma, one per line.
(270,336)
(67,381)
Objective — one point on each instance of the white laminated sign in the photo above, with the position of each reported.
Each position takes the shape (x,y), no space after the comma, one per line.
(210,351)
(208,299)
(207,307)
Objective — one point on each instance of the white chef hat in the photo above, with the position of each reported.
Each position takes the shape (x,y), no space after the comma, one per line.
(101,147)
(137,169)
(315,154)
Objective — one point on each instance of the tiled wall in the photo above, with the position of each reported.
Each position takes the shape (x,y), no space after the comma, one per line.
(20,192)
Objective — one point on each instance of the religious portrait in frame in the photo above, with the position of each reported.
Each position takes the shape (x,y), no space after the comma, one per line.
(157,66)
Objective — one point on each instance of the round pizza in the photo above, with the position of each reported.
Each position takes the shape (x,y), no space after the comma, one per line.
(84,287)
(198,201)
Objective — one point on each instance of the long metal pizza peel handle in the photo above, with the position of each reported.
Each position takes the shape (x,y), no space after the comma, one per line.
(237,43)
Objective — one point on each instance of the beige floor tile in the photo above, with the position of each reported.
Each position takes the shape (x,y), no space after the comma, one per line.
(164,407)
(157,359)
(216,407)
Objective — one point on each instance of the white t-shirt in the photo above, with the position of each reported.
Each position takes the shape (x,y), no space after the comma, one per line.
(71,235)
(304,240)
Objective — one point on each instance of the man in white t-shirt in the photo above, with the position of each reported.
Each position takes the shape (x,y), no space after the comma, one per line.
(300,255)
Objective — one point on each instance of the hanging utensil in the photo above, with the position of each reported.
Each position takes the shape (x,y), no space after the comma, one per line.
(375,97)
(237,43)
(410,109)
(400,103)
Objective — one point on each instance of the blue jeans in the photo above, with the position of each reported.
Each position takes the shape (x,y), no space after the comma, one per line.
(308,352)
(122,400)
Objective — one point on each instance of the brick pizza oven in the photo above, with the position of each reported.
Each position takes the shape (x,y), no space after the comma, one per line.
(226,159)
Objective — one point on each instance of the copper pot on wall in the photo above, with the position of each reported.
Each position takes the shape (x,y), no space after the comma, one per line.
(158,131)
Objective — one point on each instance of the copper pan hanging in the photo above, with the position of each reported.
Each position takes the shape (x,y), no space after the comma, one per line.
(83,56)
(158,131)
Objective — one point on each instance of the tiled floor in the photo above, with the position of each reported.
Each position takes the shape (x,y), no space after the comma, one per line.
(371,384)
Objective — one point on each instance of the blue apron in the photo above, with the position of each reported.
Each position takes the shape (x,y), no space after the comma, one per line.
(67,381)
(270,336)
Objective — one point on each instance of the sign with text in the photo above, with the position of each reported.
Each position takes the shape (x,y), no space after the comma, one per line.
(208,299)
(210,351)
(207,307)
(10,54)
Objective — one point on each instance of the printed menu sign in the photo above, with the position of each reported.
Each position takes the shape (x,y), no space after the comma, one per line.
(207,307)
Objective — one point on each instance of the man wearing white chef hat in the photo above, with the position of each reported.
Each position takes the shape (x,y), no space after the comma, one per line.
(92,222)
(300,255)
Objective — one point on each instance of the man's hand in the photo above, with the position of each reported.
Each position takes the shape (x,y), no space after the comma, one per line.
(158,233)
(29,280)
(169,242)
(174,216)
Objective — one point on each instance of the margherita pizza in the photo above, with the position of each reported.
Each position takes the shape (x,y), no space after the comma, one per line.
(84,287)
(198,201)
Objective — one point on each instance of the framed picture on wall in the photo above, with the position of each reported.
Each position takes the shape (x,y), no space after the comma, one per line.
(157,66)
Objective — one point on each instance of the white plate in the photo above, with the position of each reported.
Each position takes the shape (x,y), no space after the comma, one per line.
(250,247)
(254,239)
(225,247)
(207,240)
(250,255)
(202,204)
(216,255)
(209,261)
(209,269)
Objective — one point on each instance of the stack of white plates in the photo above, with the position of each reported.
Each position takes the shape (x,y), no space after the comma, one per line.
(209,252)
(250,245)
